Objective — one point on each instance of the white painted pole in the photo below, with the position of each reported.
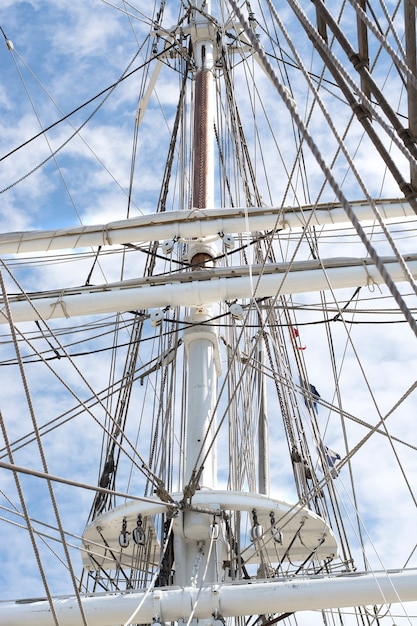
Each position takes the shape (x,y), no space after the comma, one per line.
(268,596)
(263,440)
(201,345)
(215,286)
(193,224)
(194,561)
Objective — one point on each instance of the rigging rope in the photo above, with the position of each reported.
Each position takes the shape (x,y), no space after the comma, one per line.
(143,467)
(387,235)
(110,89)
(28,526)
(332,181)
(43,460)
(74,483)
(155,576)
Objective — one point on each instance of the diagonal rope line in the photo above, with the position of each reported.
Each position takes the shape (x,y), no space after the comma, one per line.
(41,450)
(321,162)
(28,526)
(143,467)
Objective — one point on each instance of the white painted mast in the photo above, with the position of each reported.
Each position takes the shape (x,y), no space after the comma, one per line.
(194,562)
(200,341)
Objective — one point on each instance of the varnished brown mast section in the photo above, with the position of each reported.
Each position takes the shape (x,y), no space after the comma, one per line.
(203,147)
(202,136)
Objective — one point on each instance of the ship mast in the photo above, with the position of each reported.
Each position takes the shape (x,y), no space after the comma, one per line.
(193,531)
(205,564)
(201,341)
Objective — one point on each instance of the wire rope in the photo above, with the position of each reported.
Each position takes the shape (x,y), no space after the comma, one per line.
(143,467)
(153,581)
(110,89)
(44,465)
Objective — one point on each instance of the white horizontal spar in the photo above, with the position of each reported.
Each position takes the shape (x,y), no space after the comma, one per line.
(203,287)
(229,600)
(195,223)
